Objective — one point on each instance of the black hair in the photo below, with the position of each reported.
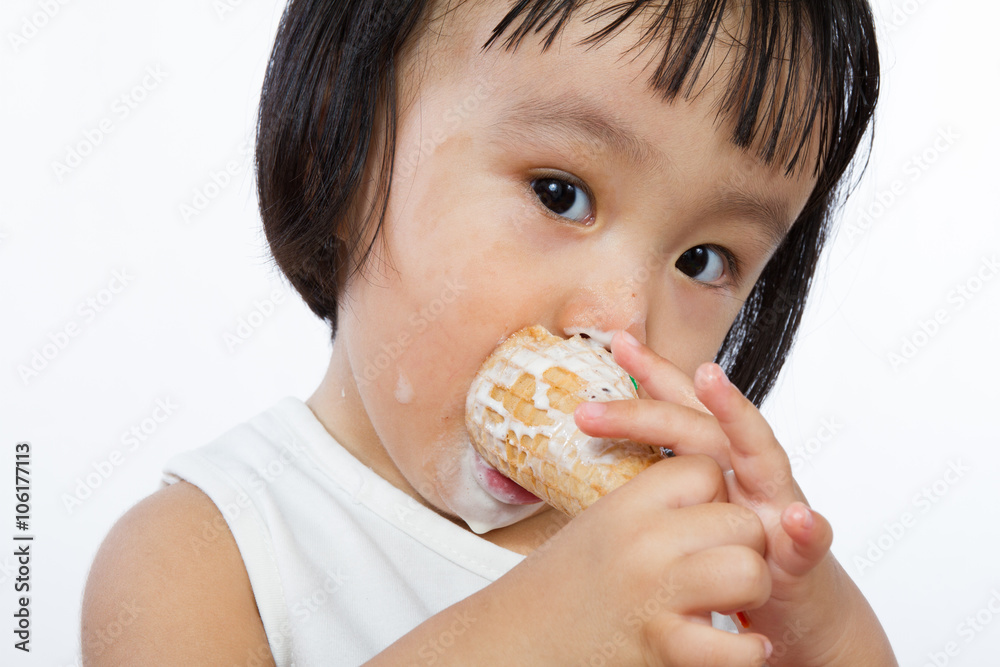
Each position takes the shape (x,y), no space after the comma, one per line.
(804,82)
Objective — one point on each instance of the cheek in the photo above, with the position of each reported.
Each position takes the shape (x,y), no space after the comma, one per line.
(691,331)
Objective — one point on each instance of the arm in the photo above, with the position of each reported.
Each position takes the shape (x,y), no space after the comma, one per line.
(153,598)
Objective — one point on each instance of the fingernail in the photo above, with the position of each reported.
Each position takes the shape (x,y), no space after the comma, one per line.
(591,410)
(710,374)
(629,339)
(806,517)
(768,649)
(798,513)
(722,377)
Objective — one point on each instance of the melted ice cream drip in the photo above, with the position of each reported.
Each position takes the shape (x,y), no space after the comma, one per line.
(404,390)
(601,336)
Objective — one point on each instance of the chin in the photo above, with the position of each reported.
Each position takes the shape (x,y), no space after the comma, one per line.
(478,508)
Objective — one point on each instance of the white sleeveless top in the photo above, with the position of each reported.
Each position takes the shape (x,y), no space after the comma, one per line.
(341,562)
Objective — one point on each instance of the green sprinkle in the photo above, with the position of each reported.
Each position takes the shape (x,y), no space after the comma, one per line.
(634,383)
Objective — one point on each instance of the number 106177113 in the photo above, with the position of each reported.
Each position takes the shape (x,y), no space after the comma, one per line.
(22,480)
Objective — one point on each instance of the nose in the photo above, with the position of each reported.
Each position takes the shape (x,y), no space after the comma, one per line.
(600,308)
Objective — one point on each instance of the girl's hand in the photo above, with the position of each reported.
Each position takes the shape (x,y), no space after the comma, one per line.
(816,615)
(631,581)
(634,579)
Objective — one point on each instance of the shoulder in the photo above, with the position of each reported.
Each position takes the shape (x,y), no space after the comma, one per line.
(168,586)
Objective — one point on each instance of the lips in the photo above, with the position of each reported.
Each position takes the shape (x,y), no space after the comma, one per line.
(500,487)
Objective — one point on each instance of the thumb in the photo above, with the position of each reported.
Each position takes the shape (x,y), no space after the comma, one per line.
(805,540)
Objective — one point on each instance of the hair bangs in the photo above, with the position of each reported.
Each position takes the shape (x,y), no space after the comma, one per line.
(800,78)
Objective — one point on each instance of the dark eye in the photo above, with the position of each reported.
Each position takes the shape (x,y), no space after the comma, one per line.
(702,263)
(563,198)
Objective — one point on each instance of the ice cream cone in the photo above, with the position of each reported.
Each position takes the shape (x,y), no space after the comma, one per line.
(519,413)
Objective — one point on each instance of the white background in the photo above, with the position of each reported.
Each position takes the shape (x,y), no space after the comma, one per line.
(913,235)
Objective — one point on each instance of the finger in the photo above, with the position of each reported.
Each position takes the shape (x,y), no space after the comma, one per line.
(682,481)
(657,423)
(698,528)
(672,641)
(761,466)
(724,579)
(658,377)
(806,539)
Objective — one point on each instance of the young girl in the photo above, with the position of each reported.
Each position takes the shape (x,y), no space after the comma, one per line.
(660,175)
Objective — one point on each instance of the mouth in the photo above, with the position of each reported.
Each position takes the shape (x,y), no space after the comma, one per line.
(502,488)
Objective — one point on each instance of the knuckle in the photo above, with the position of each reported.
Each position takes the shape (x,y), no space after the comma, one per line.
(707,471)
(749,568)
(746,524)
(642,556)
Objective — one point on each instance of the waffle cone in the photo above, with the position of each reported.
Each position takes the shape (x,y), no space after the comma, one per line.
(519,414)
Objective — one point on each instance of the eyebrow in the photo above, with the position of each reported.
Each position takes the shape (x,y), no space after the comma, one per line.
(574,115)
(768,213)
(542,121)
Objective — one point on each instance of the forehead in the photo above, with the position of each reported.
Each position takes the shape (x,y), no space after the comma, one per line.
(595,107)
(753,68)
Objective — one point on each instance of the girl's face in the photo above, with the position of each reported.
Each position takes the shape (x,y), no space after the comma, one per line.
(537,188)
